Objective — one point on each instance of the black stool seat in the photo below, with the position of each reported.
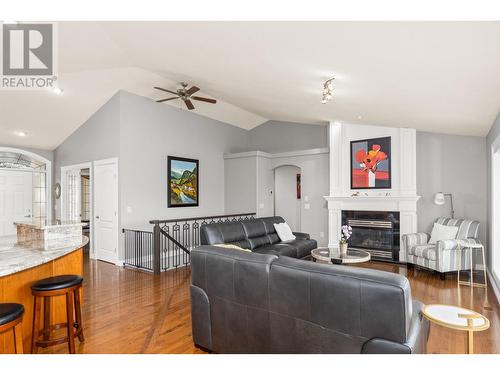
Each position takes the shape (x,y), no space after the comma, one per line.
(56,283)
(10,312)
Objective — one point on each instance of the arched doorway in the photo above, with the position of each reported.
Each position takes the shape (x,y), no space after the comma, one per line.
(287,195)
(25,186)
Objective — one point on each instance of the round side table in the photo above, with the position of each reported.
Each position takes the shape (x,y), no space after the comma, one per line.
(458,318)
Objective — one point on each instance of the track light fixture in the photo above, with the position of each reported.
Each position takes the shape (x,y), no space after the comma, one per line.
(327,91)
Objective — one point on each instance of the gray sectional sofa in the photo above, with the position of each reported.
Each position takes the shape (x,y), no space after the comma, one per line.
(246,302)
(257,235)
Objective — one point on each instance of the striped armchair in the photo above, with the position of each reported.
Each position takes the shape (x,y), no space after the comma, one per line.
(443,256)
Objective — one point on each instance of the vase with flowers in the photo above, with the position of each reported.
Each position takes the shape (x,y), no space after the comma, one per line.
(345,234)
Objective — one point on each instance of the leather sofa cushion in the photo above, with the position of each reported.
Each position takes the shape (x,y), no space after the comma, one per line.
(372,302)
(254,228)
(270,221)
(273,238)
(303,246)
(232,232)
(255,231)
(278,249)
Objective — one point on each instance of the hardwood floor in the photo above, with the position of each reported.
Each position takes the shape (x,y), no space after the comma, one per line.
(126,311)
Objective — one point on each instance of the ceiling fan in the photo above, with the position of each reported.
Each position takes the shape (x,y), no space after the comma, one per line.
(185,94)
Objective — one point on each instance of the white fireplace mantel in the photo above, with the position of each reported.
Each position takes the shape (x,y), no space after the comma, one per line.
(402,196)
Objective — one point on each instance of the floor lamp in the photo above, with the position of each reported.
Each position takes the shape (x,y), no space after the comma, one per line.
(440,199)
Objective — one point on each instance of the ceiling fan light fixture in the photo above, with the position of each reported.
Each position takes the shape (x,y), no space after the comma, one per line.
(185,95)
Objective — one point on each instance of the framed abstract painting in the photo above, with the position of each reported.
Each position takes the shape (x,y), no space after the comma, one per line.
(371,163)
(183,189)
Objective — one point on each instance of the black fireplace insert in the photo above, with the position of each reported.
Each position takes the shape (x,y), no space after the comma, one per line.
(374,231)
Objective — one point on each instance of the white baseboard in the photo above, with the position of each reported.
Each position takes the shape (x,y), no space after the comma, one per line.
(495,284)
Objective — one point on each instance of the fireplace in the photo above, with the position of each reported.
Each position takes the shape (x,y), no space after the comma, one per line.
(374,231)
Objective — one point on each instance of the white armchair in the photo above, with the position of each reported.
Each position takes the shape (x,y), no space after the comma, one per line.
(443,256)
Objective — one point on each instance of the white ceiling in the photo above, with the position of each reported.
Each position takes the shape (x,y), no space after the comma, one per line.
(432,76)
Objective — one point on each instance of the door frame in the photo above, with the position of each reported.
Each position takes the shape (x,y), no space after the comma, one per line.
(91,205)
(95,163)
(494,248)
(299,213)
(48,174)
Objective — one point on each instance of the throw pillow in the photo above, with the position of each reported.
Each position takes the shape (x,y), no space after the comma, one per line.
(443,232)
(284,232)
(231,246)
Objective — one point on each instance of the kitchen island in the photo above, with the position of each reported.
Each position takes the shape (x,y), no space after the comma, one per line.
(24,262)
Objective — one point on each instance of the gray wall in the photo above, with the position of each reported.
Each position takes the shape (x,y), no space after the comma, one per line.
(149,133)
(96,139)
(455,164)
(240,184)
(277,136)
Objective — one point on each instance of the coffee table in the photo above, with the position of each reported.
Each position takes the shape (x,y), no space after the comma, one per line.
(455,317)
(333,255)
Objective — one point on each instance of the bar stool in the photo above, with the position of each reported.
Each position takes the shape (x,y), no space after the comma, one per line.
(11,316)
(63,285)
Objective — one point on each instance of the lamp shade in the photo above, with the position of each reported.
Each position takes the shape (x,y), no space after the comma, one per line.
(439,199)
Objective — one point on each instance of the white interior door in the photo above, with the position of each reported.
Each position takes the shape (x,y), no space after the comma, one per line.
(16,199)
(106,210)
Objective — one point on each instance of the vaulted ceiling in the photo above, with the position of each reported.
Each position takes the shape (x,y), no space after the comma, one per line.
(432,76)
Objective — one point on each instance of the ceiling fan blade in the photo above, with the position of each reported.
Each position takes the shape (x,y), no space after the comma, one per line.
(192,90)
(164,100)
(171,92)
(189,104)
(202,99)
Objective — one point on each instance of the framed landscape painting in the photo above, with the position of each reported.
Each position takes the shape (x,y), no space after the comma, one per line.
(183,190)
(371,163)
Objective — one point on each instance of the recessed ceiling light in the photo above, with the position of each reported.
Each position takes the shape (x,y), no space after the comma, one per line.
(57,90)
(360,117)
(21,133)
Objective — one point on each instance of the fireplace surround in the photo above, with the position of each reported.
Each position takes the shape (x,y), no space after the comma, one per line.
(400,198)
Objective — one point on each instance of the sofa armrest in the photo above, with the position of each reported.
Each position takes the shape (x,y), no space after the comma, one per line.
(302,236)
(416,342)
(457,244)
(413,239)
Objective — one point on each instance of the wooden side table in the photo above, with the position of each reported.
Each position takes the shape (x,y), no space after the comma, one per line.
(458,318)
(464,244)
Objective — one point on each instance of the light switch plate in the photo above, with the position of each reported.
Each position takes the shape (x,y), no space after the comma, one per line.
(307,206)
(261,205)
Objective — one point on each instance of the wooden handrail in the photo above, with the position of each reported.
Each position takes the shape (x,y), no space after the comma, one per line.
(199,218)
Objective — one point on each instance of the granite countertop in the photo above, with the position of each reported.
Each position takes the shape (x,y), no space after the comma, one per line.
(15,257)
(44,224)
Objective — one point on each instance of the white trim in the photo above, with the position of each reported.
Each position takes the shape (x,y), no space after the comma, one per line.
(48,173)
(118,260)
(91,205)
(247,154)
(312,151)
(106,161)
(495,284)
(493,236)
